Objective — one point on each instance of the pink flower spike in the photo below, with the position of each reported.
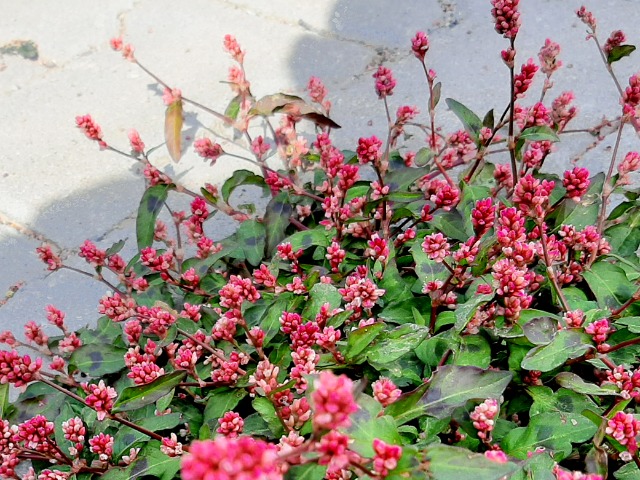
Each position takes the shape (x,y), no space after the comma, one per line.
(208,149)
(420,45)
(232,47)
(116,43)
(385,83)
(333,401)
(507,17)
(137,145)
(91,129)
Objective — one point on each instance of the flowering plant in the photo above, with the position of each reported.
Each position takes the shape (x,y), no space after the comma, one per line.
(391,314)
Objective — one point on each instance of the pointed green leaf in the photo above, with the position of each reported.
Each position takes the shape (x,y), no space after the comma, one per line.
(539,134)
(609,284)
(358,340)
(132,398)
(454,463)
(97,360)
(276,220)
(150,205)
(242,177)
(620,51)
(392,344)
(452,386)
(472,123)
(251,237)
(565,345)
(574,382)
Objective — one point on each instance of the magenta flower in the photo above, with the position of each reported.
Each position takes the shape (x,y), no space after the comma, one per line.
(385,83)
(333,401)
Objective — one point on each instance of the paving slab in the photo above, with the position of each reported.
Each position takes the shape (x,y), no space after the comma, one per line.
(56,185)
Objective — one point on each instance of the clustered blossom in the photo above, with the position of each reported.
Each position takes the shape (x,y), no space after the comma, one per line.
(420,45)
(385,391)
(562,112)
(91,129)
(576,182)
(616,39)
(385,83)
(102,445)
(232,46)
(74,431)
(52,260)
(600,331)
(386,457)
(333,401)
(236,291)
(227,458)
(436,247)
(548,57)
(483,216)
(630,163)
(507,17)
(16,369)
(100,398)
(318,92)
(587,17)
(624,428)
(360,292)
(562,474)
(92,254)
(523,80)
(483,418)
(137,145)
(628,381)
(368,150)
(208,149)
(117,307)
(231,424)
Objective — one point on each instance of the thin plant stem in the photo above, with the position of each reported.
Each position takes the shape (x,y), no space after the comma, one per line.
(550,271)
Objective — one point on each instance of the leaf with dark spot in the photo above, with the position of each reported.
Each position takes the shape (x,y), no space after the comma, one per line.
(276,221)
(150,206)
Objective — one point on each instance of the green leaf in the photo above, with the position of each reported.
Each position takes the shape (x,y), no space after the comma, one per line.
(126,437)
(435,97)
(276,220)
(308,471)
(451,224)
(624,239)
(423,157)
(315,237)
(320,294)
(609,284)
(465,311)
(474,350)
(452,386)
(472,123)
(393,344)
(267,411)
(150,205)
(632,323)
(115,248)
(574,382)
(539,134)
(541,330)
(251,237)
(367,424)
(401,179)
(132,398)
(488,120)
(454,463)
(406,408)
(546,400)
(427,270)
(233,108)
(242,177)
(619,52)
(219,402)
(565,345)
(627,472)
(358,340)
(97,360)
(555,431)
(4,399)
(152,462)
